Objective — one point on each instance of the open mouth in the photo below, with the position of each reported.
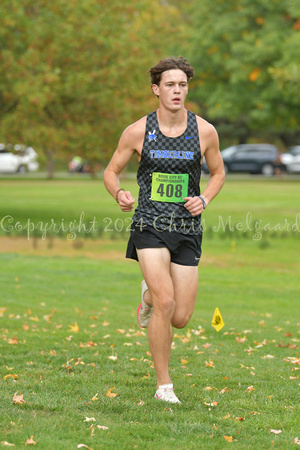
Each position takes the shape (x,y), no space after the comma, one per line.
(176,100)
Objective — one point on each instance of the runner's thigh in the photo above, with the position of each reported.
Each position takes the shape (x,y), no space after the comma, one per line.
(156,267)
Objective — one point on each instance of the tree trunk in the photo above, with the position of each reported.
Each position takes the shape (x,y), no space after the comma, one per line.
(50,164)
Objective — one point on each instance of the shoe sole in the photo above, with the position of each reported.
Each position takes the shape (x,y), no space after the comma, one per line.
(138,310)
(144,289)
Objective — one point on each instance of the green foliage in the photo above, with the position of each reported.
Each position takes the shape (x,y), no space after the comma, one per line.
(246,56)
(73,74)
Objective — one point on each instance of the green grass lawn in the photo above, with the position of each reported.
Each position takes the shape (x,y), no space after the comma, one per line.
(70,339)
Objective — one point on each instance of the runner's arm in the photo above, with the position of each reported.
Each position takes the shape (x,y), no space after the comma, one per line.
(214,161)
(130,143)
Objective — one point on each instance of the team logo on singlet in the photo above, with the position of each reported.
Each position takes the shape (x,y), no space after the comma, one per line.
(152,136)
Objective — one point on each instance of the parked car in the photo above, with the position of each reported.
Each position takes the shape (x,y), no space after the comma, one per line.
(291,159)
(253,158)
(17,159)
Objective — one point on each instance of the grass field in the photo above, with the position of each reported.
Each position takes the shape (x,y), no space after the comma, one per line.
(75,367)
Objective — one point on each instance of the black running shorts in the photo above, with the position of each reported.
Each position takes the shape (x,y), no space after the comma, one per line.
(184,249)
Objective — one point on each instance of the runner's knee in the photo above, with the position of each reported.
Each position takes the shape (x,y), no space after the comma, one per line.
(180,321)
(164,306)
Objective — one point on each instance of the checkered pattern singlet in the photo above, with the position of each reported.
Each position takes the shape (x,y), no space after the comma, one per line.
(169,155)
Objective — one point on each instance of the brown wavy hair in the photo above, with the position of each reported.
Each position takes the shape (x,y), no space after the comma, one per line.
(169,64)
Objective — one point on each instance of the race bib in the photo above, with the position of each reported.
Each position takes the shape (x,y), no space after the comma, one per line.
(168,187)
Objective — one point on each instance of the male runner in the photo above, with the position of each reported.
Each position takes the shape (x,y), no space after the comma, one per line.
(166,226)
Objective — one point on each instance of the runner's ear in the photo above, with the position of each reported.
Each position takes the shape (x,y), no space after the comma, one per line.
(155,89)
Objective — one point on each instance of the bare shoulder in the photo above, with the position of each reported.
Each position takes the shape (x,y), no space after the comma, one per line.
(206,128)
(208,135)
(133,135)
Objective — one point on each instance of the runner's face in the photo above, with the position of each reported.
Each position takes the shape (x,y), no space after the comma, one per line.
(173,89)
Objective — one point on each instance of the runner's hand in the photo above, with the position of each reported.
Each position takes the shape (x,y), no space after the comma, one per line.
(194,205)
(126,201)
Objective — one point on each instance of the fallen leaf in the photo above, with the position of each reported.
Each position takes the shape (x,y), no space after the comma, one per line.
(211,404)
(207,345)
(120,331)
(2,311)
(83,446)
(297,441)
(223,391)
(95,397)
(112,357)
(102,427)
(183,361)
(74,328)
(18,399)
(90,419)
(111,394)
(228,438)
(7,443)
(209,364)
(250,389)
(30,441)
(275,431)
(105,324)
(11,376)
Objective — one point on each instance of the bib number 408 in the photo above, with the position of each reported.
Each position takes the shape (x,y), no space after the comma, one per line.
(169,190)
(167,187)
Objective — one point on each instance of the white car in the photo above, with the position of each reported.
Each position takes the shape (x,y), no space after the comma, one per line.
(17,159)
(291,159)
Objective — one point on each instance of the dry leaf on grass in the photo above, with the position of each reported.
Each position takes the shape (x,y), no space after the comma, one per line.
(211,404)
(209,364)
(102,427)
(83,446)
(11,376)
(228,438)
(30,441)
(224,390)
(275,431)
(7,443)
(90,419)
(74,328)
(18,399)
(111,394)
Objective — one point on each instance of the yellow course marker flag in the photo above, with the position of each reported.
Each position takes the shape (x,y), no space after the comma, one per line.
(217,321)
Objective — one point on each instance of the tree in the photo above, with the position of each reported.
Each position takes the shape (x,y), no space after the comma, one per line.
(73,74)
(246,54)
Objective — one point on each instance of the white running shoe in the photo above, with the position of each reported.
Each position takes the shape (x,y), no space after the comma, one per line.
(166,393)
(144,311)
